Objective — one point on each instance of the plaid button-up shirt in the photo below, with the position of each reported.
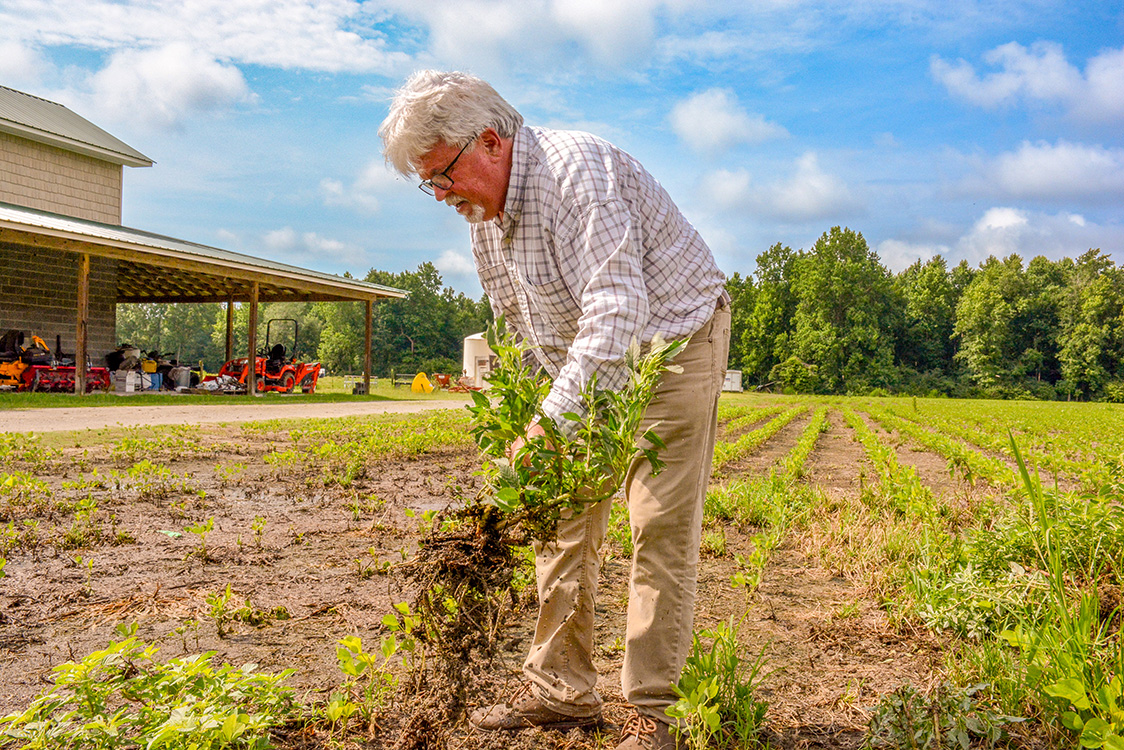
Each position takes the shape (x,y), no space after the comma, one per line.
(589,255)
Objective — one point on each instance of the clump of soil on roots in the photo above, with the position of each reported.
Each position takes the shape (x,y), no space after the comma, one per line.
(463,574)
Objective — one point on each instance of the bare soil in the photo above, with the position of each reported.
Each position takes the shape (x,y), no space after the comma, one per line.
(831,651)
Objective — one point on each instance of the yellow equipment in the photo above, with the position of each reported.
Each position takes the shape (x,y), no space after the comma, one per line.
(421,384)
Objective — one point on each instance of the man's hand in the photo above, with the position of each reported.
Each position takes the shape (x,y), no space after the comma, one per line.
(535,430)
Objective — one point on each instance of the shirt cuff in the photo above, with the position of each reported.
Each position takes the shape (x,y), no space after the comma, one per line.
(557,404)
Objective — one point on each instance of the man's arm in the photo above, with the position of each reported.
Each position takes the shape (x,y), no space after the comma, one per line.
(604,259)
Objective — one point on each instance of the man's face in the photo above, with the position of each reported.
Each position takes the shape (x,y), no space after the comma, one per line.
(479,176)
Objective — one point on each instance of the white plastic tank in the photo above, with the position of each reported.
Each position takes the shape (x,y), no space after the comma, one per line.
(478,360)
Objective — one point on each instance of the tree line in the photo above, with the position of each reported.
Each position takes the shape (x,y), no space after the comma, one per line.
(831,319)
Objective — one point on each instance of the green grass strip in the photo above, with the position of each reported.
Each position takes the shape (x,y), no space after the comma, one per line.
(724,452)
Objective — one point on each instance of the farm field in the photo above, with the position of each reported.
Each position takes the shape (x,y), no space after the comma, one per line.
(857,546)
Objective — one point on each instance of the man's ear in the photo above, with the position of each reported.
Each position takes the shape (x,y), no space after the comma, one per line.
(492,142)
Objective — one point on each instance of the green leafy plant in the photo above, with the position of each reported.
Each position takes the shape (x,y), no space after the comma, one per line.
(717,692)
(122,697)
(572,465)
(370,677)
(258,527)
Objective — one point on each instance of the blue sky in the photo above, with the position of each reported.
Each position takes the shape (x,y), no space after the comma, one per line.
(931,126)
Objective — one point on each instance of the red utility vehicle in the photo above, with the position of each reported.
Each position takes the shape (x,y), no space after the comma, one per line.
(276,368)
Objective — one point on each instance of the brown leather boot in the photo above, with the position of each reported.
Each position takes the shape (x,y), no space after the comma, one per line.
(524,710)
(645,733)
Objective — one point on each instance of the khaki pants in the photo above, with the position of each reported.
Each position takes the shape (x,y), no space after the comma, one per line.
(665,512)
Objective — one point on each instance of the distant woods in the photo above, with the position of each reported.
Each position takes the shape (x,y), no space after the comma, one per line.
(834,320)
(831,319)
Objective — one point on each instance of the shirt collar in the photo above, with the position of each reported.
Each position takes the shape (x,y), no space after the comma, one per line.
(513,203)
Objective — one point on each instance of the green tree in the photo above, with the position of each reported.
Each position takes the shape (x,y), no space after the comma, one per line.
(180,331)
(424,331)
(742,295)
(846,312)
(764,341)
(1093,325)
(984,322)
(926,341)
(1036,323)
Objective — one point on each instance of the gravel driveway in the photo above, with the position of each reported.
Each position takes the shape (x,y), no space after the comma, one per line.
(90,418)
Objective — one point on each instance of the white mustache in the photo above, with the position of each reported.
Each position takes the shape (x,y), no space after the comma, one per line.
(475,216)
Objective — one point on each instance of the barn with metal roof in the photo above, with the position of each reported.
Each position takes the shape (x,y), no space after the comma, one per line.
(67,261)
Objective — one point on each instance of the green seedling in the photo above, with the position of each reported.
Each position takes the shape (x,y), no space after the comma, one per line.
(187,626)
(714,542)
(370,678)
(201,530)
(257,618)
(219,610)
(258,527)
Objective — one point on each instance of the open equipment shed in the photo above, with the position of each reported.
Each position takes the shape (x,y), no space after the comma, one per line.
(67,262)
(42,250)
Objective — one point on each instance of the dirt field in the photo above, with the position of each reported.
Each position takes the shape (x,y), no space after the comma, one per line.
(831,651)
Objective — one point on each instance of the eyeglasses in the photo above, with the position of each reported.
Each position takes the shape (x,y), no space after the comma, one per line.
(442,180)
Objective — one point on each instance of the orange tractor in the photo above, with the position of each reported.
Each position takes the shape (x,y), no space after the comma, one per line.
(35,368)
(276,369)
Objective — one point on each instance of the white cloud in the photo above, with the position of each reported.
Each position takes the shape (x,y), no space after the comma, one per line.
(614,31)
(713,121)
(299,34)
(1040,73)
(158,87)
(898,255)
(455,263)
(298,247)
(1062,170)
(809,194)
(458,271)
(561,35)
(20,65)
(365,193)
(1001,231)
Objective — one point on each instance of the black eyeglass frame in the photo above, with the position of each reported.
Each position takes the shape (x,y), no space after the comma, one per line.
(437,181)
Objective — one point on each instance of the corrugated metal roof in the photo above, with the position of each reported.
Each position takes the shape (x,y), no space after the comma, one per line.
(212,272)
(51,123)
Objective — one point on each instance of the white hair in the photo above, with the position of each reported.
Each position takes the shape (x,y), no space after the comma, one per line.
(442,107)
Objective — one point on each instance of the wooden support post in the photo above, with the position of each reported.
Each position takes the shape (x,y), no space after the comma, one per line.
(229,327)
(367,350)
(251,359)
(82,335)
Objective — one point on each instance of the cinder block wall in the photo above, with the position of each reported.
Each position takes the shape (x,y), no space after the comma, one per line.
(39,294)
(43,177)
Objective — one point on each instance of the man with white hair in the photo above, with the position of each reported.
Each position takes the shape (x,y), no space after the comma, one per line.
(583,252)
